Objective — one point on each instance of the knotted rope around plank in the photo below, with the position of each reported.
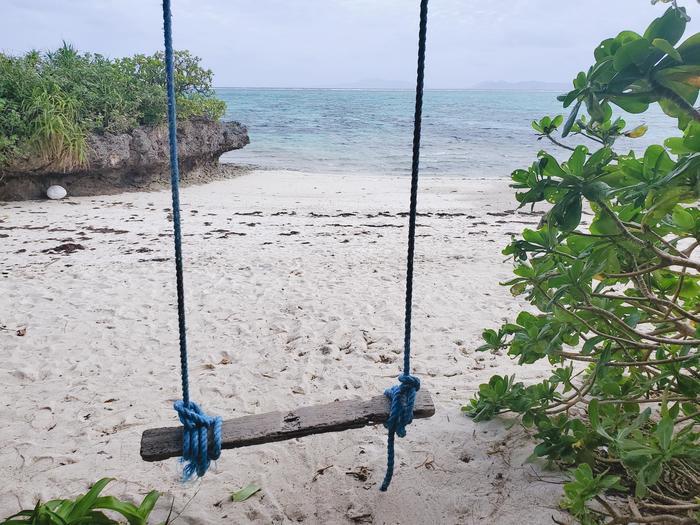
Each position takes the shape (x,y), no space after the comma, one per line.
(196,453)
(196,423)
(402,398)
(403,395)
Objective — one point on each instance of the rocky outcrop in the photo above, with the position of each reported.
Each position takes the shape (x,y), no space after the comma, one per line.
(136,160)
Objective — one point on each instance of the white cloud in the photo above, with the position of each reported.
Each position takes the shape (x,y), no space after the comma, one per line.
(332,42)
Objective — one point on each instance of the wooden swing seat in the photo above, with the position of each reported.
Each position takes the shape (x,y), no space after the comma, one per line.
(162,443)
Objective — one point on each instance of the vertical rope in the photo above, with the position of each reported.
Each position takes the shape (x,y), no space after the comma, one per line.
(175,190)
(402,396)
(196,424)
(417,125)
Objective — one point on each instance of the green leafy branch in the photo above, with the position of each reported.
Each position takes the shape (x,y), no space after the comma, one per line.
(616,293)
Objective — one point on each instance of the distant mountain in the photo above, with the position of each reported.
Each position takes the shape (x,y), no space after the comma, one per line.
(373,83)
(531,85)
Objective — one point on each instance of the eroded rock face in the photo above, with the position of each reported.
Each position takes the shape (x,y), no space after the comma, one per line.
(128,160)
(199,141)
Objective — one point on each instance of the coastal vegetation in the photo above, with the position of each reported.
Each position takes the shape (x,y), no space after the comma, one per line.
(50,101)
(613,277)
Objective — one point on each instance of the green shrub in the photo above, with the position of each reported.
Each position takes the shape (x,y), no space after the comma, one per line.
(49,102)
(616,301)
(87,509)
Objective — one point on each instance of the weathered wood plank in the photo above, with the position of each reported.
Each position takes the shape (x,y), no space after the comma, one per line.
(161,443)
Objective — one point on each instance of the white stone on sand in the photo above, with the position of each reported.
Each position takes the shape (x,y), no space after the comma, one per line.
(56,192)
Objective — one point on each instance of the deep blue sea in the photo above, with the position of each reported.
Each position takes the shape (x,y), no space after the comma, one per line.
(466,132)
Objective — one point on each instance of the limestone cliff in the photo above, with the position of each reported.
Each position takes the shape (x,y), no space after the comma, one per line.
(134,160)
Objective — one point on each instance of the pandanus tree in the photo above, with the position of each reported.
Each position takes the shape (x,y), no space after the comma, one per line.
(612,275)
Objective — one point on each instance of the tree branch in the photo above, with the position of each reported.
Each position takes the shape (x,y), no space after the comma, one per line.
(674,97)
(555,141)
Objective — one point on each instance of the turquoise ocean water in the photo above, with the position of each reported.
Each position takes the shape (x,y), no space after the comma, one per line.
(465,132)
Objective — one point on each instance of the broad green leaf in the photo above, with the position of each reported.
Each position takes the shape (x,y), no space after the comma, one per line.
(624,37)
(126,509)
(57,519)
(595,191)
(596,110)
(569,97)
(596,161)
(606,49)
(604,225)
(148,503)
(656,161)
(670,26)
(577,160)
(571,119)
(62,507)
(673,110)
(533,236)
(667,48)
(518,289)
(245,493)
(683,79)
(567,212)
(86,502)
(604,72)
(550,166)
(593,414)
(691,137)
(95,517)
(589,345)
(631,103)
(677,146)
(683,218)
(633,53)
(690,50)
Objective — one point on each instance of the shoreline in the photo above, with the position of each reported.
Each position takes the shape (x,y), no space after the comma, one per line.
(295,297)
(97,186)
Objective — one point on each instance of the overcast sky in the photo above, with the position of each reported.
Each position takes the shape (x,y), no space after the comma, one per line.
(309,43)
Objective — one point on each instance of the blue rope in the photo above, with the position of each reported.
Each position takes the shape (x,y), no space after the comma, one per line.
(195,438)
(403,395)
(196,424)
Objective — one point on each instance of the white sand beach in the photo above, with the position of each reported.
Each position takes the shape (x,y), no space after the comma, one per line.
(295,289)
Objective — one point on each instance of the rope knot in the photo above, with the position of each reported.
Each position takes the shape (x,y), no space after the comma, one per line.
(402,397)
(196,453)
(409,381)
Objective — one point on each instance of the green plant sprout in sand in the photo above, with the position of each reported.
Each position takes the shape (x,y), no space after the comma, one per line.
(87,509)
(617,299)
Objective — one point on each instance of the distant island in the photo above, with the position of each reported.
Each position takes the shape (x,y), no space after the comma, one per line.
(527,85)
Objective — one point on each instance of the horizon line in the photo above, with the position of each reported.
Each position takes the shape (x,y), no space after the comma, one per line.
(355,88)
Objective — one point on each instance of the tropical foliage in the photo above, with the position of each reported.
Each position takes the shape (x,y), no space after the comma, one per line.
(88,509)
(613,278)
(49,102)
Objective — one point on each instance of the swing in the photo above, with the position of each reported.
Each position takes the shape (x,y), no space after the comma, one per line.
(201,438)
